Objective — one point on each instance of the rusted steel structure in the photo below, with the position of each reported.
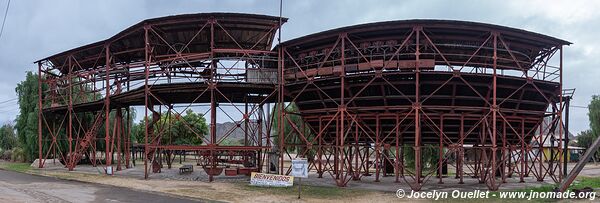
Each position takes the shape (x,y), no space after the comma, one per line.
(167,65)
(369,96)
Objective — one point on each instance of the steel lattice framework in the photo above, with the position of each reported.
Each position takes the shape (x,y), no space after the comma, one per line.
(367,96)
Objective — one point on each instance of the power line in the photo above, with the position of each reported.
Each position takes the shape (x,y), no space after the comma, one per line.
(582,107)
(9,107)
(6,104)
(9,100)
(4,20)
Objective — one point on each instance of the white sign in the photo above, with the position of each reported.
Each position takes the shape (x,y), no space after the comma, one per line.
(271,180)
(109,170)
(299,168)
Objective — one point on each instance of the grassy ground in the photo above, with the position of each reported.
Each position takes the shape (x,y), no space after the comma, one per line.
(579,183)
(593,182)
(309,191)
(15,166)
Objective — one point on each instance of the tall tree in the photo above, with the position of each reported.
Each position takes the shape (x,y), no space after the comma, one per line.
(26,121)
(594,115)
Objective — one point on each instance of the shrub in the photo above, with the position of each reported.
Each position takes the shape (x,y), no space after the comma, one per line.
(18,154)
(6,155)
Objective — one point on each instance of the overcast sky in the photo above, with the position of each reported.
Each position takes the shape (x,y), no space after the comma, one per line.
(36,29)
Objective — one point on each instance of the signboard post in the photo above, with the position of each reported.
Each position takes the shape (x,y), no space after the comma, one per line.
(299,187)
(299,170)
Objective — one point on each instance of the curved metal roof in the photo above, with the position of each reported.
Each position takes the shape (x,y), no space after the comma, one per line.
(456,40)
(128,45)
(454,25)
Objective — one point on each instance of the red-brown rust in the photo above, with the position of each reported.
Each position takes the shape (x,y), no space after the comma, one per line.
(368,94)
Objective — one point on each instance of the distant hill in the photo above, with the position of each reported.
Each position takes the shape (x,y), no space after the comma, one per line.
(223,128)
(238,132)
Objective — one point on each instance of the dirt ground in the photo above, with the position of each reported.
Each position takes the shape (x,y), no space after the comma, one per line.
(221,191)
(227,189)
(236,189)
(22,187)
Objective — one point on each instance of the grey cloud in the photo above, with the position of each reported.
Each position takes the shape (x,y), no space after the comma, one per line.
(36,29)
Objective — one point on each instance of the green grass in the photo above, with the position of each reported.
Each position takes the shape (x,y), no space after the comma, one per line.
(579,183)
(543,188)
(15,166)
(593,182)
(322,192)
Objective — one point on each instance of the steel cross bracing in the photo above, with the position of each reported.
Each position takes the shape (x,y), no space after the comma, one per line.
(349,138)
(207,63)
(485,99)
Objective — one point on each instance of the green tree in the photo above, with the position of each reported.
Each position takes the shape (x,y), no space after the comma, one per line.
(26,123)
(27,120)
(594,115)
(177,129)
(137,131)
(585,139)
(8,139)
(232,142)
(429,156)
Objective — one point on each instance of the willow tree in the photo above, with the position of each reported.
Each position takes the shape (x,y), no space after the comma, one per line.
(27,119)
(26,122)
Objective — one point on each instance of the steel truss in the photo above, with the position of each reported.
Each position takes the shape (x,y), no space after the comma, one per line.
(211,63)
(348,138)
(482,97)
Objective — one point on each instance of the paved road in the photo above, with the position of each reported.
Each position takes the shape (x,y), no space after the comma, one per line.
(19,187)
